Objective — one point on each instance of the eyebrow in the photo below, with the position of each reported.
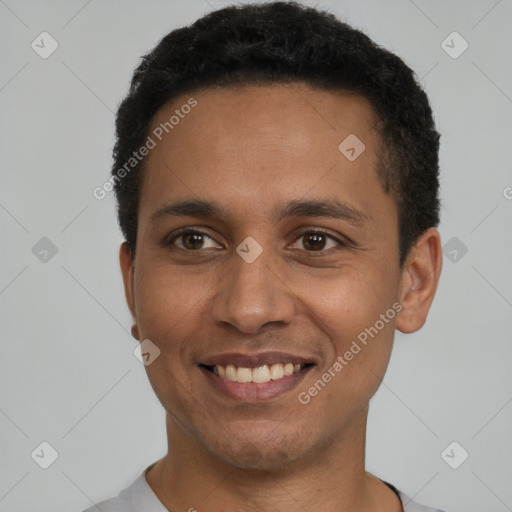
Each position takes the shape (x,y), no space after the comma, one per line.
(200,208)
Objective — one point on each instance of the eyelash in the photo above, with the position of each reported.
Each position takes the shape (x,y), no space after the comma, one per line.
(186,231)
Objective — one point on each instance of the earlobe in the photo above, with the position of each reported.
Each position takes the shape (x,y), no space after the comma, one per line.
(127,271)
(135,332)
(420,277)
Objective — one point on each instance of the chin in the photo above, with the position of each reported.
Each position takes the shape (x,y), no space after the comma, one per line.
(252,458)
(263,452)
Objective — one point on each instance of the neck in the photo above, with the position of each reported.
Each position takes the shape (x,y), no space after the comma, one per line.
(332,479)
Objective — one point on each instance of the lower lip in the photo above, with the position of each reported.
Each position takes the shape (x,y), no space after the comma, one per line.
(255,391)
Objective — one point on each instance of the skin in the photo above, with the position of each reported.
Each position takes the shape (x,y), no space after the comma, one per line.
(252,149)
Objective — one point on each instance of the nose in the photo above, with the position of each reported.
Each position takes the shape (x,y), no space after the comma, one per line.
(254,295)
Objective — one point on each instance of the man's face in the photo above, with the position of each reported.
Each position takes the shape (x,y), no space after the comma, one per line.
(258,153)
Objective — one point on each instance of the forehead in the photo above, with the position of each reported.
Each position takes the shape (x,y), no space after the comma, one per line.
(257,141)
(235,110)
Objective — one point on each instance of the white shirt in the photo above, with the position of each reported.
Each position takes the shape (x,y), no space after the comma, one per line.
(139,497)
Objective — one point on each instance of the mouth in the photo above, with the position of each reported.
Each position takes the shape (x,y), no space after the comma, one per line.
(255,378)
(259,375)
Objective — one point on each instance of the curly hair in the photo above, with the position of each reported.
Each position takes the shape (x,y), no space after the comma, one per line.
(285,42)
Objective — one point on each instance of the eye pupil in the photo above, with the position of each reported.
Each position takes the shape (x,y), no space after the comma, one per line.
(318,241)
(195,239)
(312,241)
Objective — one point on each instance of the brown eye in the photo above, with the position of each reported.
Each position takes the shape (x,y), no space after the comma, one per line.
(317,241)
(191,240)
(314,241)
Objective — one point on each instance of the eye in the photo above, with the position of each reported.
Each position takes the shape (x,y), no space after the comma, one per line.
(313,240)
(316,240)
(191,240)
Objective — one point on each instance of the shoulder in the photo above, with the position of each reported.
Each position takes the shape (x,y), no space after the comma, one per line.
(110,505)
(408,504)
(137,497)
(411,506)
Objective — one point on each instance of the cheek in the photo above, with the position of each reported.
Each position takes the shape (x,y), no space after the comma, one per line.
(165,301)
(167,311)
(359,319)
(345,302)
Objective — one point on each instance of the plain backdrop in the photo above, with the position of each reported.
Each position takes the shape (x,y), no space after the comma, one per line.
(68,375)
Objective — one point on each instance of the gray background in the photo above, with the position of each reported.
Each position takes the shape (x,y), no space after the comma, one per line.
(67,372)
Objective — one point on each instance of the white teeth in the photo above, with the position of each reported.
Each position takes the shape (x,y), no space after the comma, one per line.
(230,372)
(260,374)
(244,374)
(288,369)
(276,371)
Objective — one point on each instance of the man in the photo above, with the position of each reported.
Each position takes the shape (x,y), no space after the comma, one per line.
(277,182)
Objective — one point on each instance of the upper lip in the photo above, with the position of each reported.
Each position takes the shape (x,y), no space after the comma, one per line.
(255,360)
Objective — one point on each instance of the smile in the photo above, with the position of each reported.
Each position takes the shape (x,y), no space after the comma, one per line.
(259,374)
(256,377)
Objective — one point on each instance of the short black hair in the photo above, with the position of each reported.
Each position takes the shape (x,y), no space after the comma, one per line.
(285,42)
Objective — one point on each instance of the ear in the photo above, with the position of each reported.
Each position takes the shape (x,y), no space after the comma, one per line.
(128,271)
(420,277)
